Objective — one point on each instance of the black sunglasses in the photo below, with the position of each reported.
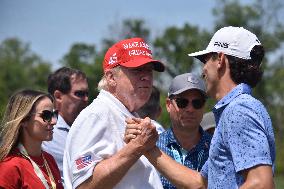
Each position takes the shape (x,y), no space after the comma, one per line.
(47,115)
(81,94)
(183,103)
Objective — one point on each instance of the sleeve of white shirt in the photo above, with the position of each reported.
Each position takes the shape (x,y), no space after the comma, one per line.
(158,126)
(92,138)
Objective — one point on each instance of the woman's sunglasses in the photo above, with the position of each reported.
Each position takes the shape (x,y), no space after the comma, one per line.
(183,103)
(47,115)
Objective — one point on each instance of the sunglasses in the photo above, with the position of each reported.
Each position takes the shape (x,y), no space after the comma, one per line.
(183,103)
(47,115)
(81,94)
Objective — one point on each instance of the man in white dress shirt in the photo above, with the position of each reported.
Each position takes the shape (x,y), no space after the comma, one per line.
(95,154)
(69,87)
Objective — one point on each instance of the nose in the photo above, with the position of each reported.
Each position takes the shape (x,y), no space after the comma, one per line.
(85,98)
(189,107)
(147,76)
(54,120)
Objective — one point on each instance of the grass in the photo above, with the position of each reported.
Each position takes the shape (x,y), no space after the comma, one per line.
(279,181)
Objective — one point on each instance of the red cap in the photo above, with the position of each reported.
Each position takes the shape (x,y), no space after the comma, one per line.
(130,53)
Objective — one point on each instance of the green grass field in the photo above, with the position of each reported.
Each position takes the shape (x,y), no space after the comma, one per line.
(279,181)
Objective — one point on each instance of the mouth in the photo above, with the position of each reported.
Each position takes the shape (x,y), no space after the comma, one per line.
(144,87)
(50,130)
(188,118)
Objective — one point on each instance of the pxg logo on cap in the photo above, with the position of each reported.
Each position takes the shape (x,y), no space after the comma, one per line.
(130,53)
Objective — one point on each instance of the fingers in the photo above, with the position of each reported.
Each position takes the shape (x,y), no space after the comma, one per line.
(132,129)
(137,119)
(145,122)
(148,130)
(142,133)
(132,120)
(127,138)
(129,120)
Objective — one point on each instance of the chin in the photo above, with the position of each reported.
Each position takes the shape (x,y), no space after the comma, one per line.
(139,105)
(49,138)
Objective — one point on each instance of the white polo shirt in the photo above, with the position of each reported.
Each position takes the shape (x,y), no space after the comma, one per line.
(97,134)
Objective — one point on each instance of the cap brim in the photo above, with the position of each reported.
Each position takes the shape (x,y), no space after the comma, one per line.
(200,55)
(158,66)
(189,88)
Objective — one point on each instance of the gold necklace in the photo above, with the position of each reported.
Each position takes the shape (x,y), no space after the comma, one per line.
(50,175)
(41,166)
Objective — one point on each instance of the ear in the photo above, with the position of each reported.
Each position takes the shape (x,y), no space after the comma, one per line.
(221,60)
(168,104)
(110,77)
(24,124)
(57,95)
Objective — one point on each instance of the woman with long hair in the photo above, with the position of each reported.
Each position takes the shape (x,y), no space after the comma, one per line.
(28,121)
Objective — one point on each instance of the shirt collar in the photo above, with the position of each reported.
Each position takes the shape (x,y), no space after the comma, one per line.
(61,124)
(171,139)
(236,91)
(115,103)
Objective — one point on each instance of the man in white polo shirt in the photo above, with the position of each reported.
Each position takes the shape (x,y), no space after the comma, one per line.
(95,154)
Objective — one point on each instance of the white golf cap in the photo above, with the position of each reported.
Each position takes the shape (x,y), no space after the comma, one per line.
(234,41)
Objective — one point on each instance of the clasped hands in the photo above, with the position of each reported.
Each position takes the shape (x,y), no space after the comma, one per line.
(141,132)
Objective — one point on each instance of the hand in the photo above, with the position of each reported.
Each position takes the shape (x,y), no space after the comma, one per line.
(132,129)
(148,136)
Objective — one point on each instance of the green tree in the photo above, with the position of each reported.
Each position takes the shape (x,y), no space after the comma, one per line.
(20,68)
(175,43)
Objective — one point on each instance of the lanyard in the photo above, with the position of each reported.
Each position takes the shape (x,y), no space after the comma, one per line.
(37,169)
(50,175)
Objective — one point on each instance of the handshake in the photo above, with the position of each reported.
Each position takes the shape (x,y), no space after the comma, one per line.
(142,133)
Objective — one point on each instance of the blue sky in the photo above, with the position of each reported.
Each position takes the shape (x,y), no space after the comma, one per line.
(51,27)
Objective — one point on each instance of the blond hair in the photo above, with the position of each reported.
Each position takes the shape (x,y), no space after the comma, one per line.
(18,110)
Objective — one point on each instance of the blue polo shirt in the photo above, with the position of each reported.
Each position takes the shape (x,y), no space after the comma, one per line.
(243,139)
(194,159)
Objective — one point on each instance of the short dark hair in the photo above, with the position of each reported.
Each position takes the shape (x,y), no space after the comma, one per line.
(247,71)
(152,106)
(60,79)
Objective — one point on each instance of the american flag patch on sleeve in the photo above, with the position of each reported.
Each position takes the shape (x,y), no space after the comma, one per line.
(83,161)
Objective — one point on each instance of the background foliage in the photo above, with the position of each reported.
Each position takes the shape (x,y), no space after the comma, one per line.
(21,68)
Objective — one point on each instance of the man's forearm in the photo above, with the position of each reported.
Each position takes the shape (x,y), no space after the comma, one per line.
(110,171)
(177,174)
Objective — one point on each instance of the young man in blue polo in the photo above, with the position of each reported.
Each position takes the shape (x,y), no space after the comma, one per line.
(242,151)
